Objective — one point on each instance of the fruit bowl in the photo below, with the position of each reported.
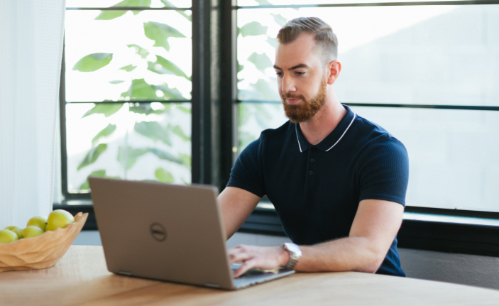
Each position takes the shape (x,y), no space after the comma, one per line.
(40,252)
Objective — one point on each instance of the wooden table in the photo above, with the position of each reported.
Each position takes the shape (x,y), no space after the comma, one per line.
(81,278)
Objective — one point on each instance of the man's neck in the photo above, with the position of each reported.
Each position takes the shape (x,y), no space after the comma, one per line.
(324,122)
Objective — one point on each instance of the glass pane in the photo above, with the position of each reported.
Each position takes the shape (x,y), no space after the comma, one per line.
(253,118)
(129,3)
(141,55)
(452,155)
(415,55)
(148,141)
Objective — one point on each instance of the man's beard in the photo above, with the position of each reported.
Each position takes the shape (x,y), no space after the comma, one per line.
(306,110)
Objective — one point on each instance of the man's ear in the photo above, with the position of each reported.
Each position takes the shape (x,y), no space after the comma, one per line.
(334,68)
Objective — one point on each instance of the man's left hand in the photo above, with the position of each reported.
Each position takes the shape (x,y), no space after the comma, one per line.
(265,258)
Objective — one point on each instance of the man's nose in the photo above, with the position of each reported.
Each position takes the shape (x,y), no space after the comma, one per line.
(288,84)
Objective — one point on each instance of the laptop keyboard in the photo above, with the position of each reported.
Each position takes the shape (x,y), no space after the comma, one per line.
(255,272)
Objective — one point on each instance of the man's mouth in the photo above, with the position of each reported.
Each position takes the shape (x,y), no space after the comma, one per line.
(293,100)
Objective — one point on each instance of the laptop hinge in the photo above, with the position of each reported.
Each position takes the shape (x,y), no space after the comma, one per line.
(212,285)
(125,273)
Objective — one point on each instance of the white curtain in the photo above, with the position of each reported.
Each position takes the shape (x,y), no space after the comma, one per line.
(31,35)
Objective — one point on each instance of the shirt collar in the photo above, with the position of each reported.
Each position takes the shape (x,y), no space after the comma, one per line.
(332,139)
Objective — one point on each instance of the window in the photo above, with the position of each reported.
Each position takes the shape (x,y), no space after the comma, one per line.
(126,93)
(426,73)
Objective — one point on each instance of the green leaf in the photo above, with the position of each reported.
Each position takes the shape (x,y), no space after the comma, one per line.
(92,155)
(184,109)
(145,109)
(93,62)
(108,15)
(164,66)
(116,82)
(261,61)
(152,130)
(272,41)
(168,4)
(133,3)
(107,109)
(170,93)
(108,130)
(245,113)
(139,50)
(178,131)
(128,158)
(128,68)
(141,90)
(160,32)
(186,159)
(281,21)
(267,92)
(166,156)
(97,173)
(239,67)
(263,113)
(253,29)
(163,176)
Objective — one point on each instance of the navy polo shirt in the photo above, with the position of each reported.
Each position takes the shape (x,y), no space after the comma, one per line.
(316,189)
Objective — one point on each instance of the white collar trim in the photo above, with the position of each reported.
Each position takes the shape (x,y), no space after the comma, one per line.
(348,127)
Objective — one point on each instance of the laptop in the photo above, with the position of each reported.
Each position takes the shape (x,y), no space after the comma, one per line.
(167,232)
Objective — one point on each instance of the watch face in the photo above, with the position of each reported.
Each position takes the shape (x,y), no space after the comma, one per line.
(293,248)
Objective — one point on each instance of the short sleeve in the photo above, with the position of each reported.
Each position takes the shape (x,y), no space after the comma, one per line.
(247,172)
(384,171)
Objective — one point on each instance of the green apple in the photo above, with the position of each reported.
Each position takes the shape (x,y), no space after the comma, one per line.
(15,229)
(7,236)
(31,231)
(38,221)
(59,218)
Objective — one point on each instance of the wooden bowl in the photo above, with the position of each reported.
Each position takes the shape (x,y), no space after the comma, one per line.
(40,252)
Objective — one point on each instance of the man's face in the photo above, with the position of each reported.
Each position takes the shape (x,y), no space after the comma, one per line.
(301,78)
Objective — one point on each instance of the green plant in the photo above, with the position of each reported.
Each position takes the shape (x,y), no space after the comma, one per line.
(149,127)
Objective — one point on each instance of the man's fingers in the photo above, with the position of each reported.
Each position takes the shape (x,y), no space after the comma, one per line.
(238,249)
(249,264)
(240,257)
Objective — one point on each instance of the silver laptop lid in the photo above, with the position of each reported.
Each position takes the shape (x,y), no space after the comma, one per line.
(166,232)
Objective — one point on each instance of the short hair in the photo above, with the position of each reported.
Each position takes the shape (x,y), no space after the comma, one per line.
(326,40)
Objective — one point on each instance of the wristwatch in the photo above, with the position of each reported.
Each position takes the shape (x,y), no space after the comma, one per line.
(294,255)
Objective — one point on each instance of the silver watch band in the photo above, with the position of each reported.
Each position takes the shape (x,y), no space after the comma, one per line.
(294,255)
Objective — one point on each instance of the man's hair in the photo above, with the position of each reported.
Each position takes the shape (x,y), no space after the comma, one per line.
(326,41)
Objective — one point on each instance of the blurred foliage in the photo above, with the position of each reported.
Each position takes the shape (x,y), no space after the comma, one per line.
(255,117)
(108,130)
(160,32)
(92,62)
(92,155)
(107,109)
(139,89)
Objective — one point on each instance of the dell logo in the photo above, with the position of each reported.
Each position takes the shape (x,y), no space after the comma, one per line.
(158,232)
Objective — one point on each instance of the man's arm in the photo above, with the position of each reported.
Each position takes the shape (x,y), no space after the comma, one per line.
(375,225)
(237,204)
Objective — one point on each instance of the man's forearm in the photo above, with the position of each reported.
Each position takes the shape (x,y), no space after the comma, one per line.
(346,254)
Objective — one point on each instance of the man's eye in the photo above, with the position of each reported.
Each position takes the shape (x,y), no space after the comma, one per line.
(279,74)
(299,73)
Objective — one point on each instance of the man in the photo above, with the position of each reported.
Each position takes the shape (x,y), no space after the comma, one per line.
(337,180)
